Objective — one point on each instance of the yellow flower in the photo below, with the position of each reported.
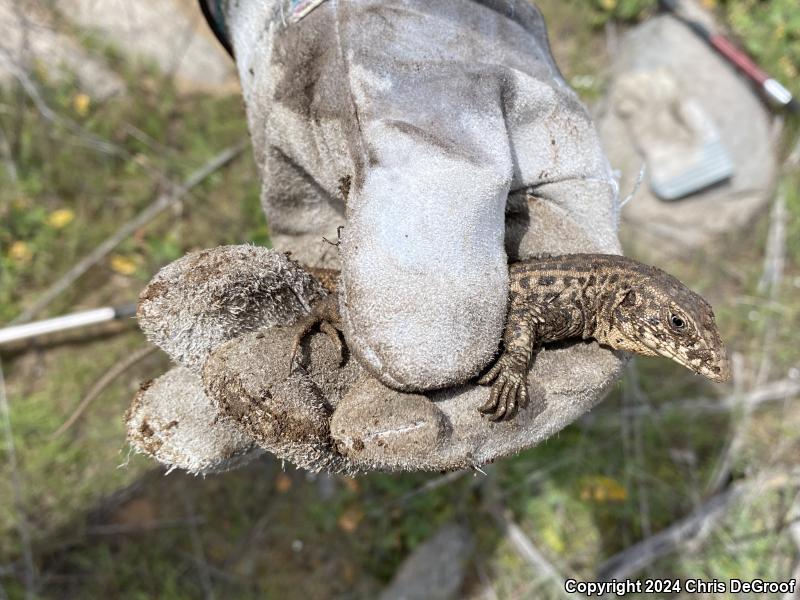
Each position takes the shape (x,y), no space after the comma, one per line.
(20,252)
(788,68)
(602,489)
(122,265)
(608,5)
(60,218)
(80,103)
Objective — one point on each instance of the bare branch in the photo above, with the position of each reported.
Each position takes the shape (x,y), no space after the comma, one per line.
(27,84)
(773,391)
(161,203)
(197,546)
(23,528)
(101,384)
(520,542)
(637,557)
(528,551)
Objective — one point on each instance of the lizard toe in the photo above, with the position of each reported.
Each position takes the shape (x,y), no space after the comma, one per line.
(334,334)
(524,398)
(491,374)
(502,400)
(307,324)
(491,404)
(512,404)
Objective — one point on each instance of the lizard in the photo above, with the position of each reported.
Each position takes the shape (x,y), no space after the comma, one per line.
(617,301)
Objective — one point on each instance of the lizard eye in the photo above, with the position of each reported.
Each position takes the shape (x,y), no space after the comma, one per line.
(677,322)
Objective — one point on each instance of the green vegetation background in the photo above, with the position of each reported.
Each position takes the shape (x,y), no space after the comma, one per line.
(103,523)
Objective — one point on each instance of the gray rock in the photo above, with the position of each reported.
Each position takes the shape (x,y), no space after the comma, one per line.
(170,33)
(47,42)
(434,570)
(656,55)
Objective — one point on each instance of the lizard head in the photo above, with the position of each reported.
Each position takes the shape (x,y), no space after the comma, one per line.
(655,314)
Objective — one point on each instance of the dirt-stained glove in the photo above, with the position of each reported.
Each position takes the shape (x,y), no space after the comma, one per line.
(445,140)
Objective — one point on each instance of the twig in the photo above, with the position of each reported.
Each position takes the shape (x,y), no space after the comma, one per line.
(27,84)
(772,277)
(8,158)
(775,255)
(519,541)
(635,558)
(766,393)
(431,485)
(141,527)
(734,443)
(528,551)
(783,525)
(197,547)
(101,384)
(161,203)
(794,533)
(23,528)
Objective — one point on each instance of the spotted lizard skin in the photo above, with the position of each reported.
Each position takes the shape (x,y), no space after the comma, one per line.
(617,301)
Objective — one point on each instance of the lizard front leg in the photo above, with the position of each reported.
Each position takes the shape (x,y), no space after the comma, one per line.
(510,372)
(325,315)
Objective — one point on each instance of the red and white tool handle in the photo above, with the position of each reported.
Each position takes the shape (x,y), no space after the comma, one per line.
(771,86)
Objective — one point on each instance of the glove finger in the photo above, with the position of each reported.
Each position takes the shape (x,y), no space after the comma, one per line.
(173,421)
(205,298)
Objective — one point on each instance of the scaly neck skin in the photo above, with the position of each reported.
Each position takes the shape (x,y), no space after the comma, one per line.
(576,294)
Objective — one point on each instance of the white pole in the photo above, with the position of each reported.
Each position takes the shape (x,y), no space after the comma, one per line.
(78,319)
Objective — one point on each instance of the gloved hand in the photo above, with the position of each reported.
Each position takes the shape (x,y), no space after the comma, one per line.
(445,140)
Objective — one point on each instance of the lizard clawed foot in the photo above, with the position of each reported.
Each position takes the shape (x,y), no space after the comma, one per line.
(307,326)
(510,388)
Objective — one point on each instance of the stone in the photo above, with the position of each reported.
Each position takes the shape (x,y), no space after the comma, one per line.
(435,570)
(655,56)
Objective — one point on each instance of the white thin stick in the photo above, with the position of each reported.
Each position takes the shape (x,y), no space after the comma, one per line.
(636,185)
(775,255)
(63,323)
(519,541)
(161,203)
(23,528)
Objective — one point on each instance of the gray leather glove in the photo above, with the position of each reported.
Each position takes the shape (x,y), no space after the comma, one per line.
(445,140)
